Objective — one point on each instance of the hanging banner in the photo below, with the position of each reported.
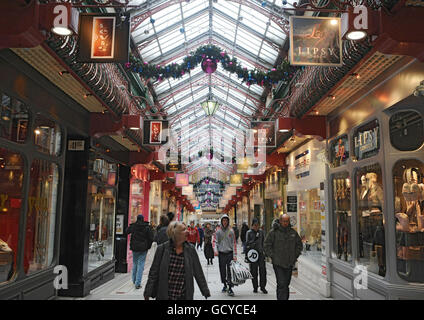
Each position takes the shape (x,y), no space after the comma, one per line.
(181,179)
(187,189)
(269,139)
(155,132)
(315,41)
(103,38)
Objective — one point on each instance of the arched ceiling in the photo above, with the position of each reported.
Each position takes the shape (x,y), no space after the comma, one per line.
(252,31)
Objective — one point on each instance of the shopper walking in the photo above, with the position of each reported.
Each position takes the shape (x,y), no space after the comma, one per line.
(193,234)
(283,245)
(161,236)
(208,250)
(244,229)
(255,240)
(174,266)
(140,242)
(201,236)
(224,245)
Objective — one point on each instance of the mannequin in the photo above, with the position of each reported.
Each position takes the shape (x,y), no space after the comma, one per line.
(364,187)
(412,193)
(375,194)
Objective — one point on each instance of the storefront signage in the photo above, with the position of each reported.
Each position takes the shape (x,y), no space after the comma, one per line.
(315,41)
(269,139)
(187,190)
(181,179)
(155,132)
(103,38)
(302,164)
(76,145)
(366,141)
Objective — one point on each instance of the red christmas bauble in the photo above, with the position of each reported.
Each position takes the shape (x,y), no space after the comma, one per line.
(209,66)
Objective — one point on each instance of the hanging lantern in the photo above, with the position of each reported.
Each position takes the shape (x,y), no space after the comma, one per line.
(209,66)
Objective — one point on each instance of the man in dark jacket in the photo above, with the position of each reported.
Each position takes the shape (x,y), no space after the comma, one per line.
(160,236)
(140,243)
(244,229)
(255,240)
(283,245)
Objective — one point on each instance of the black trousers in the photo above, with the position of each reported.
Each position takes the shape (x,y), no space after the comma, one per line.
(260,264)
(283,276)
(224,267)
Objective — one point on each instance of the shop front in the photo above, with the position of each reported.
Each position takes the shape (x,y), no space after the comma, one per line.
(376,181)
(273,197)
(155,202)
(34,125)
(306,205)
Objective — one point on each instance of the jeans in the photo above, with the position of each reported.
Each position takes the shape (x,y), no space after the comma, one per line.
(260,264)
(243,243)
(139,258)
(283,276)
(224,260)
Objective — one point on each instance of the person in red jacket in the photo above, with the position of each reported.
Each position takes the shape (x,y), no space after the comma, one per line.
(193,234)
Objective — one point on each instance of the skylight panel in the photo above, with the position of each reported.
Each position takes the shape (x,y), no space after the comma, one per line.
(228,7)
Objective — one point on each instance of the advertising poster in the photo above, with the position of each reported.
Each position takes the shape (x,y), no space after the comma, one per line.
(181,179)
(155,132)
(315,41)
(103,37)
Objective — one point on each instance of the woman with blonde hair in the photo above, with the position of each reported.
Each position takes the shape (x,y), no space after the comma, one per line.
(174,266)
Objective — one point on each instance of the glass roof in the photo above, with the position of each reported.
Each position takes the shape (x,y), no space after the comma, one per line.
(166,31)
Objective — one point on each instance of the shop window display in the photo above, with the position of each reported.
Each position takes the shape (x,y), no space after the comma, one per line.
(11,180)
(370,218)
(14,119)
(41,216)
(342,216)
(406,130)
(47,136)
(409,215)
(101,207)
(310,224)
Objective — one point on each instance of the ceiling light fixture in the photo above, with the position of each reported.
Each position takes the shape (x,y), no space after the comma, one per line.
(356,35)
(210,106)
(63,72)
(62,31)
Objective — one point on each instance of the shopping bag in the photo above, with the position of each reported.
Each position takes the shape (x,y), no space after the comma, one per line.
(239,273)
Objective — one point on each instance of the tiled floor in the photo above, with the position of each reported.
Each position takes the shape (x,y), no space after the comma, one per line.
(121,287)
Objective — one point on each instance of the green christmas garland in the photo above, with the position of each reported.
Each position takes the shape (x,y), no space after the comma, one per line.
(283,72)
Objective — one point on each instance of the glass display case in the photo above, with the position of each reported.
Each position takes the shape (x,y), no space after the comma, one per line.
(409,214)
(342,216)
(370,204)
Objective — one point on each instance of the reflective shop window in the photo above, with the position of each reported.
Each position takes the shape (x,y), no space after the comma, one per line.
(406,130)
(339,150)
(342,216)
(366,140)
(41,216)
(103,171)
(409,215)
(310,224)
(14,119)
(47,136)
(369,206)
(11,180)
(101,206)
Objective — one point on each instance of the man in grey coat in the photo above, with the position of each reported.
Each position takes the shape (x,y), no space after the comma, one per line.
(225,247)
(283,245)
